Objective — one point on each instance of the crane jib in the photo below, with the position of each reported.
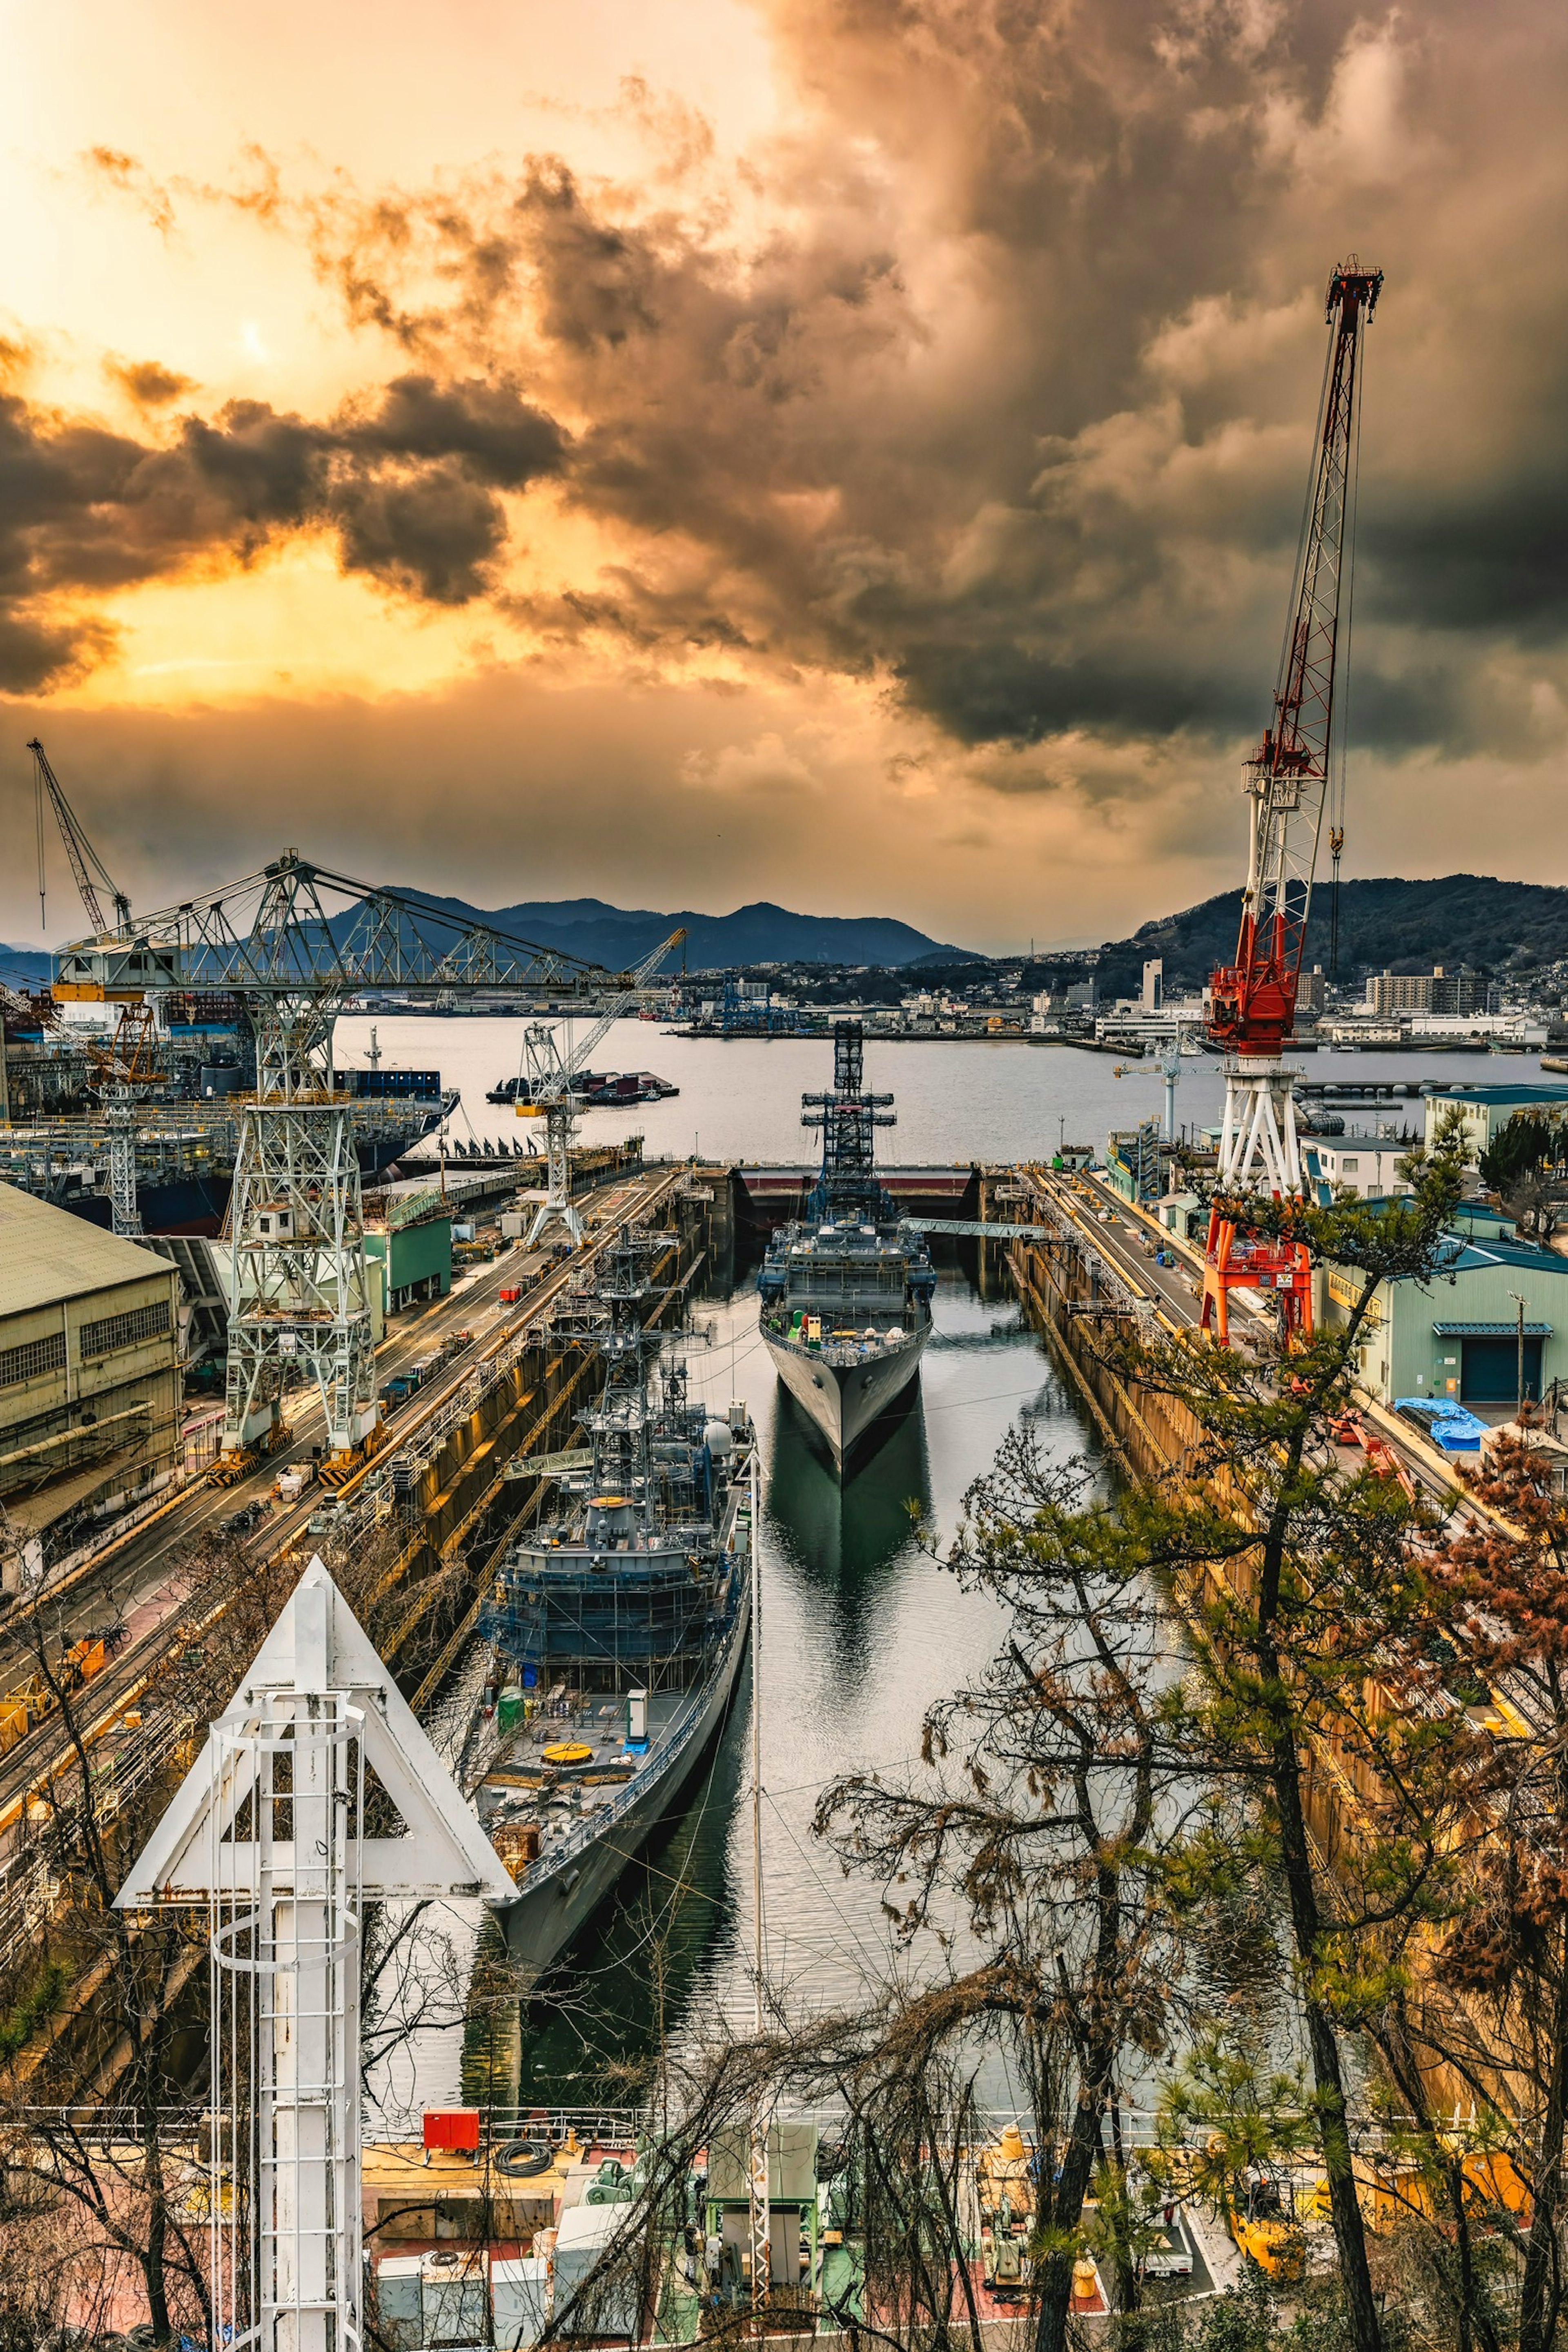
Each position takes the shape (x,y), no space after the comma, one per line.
(1253,1000)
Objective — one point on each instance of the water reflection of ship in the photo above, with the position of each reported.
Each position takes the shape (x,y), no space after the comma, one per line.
(845,1535)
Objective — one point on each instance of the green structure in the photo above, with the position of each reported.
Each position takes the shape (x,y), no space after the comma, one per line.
(416,1259)
(1486,1109)
(1136,1163)
(1457,1337)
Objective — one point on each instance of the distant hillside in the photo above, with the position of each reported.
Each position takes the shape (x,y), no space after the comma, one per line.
(24,963)
(762,933)
(1386,924)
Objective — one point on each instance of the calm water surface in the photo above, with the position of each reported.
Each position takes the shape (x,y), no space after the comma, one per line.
(861,1630)
(741,1101)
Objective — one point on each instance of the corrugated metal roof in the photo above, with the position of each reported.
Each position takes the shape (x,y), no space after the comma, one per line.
(1490,1331)
(47,1255)
(1462,1091)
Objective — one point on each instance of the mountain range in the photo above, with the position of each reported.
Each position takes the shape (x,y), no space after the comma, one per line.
(760,933)
(1386,925)
(1383,924)
(621,935)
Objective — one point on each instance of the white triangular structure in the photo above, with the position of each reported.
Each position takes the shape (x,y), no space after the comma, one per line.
(267,1826)
(319,1644)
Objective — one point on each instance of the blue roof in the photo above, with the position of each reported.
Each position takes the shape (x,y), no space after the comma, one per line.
(1468,1254)
(1461,1091)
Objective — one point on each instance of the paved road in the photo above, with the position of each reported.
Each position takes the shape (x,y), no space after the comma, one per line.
(1129,1240)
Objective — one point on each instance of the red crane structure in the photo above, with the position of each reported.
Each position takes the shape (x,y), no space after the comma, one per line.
(1252,1002)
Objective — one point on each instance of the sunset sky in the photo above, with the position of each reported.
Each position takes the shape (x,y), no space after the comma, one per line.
(845,452)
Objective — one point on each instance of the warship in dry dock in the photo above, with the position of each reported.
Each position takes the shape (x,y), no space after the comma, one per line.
(846,1293)
(619,1622)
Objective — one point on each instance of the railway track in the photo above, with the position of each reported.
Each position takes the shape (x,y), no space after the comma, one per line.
(137,1577)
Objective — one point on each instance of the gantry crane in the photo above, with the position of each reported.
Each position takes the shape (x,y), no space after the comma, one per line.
(91,873)
(1252,1002)
(297,941)
(545,1090)
(126,1070)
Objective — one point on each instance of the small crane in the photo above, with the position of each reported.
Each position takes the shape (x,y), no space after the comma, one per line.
(88,868)
(545,1091)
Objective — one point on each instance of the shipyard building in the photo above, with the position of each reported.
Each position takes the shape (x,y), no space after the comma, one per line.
(90,1390)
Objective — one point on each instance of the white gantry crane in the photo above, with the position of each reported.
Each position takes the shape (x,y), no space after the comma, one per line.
(296,943)
(545,1089)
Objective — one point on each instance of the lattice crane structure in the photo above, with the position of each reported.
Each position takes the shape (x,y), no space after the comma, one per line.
(1252,1013)
(88,869)
(296,942)
(545,1089)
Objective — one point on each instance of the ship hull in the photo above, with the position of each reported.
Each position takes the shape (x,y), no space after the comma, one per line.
(843,1400)
(545,1917)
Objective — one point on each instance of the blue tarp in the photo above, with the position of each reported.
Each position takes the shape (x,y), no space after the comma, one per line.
(1452,1427)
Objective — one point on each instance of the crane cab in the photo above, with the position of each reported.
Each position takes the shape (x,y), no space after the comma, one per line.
(116,974)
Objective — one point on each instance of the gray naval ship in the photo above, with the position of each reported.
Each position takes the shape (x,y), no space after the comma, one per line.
(619,1621)
(846,1292)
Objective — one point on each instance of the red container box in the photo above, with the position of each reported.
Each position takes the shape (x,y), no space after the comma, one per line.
(510,1295)
(452,2127)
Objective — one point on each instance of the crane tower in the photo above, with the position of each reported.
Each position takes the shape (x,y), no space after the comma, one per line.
(1252,1001)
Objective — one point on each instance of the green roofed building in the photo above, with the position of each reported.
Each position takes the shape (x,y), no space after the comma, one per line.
(1486,1110)
(1457,1337)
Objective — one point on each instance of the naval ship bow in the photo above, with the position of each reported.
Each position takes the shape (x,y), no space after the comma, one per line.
(846,1291)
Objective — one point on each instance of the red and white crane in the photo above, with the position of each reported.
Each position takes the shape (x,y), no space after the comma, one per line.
(1252,1002)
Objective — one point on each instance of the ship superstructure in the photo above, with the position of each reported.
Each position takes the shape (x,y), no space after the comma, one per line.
(846,1291)
(619,1621)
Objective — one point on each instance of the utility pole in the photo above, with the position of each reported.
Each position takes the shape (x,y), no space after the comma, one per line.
(1521,1304)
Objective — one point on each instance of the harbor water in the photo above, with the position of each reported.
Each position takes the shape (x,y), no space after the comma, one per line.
(862,1630)
(956,1100)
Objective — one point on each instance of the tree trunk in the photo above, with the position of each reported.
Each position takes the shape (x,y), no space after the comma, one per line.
(1328,2080)
(1067,2213)
(1537,2324)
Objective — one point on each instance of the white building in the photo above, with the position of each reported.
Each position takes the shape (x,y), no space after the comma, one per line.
(1367,1165)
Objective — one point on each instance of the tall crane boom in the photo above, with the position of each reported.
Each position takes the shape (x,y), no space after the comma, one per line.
(91,873)
(1253,1001)
(547,1074)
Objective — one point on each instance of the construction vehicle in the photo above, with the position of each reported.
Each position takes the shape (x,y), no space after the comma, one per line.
(1252,1001)
(1349,1429)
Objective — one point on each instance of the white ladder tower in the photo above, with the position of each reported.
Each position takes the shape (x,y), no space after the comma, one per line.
(274,1827)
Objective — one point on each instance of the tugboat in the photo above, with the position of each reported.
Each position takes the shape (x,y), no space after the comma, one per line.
(619,1622)
(846,1294)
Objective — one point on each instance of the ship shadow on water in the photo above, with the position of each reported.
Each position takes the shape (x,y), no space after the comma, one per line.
(844,1535)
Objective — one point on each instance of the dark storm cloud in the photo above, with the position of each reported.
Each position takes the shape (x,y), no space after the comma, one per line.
(1009,401)
(147,384)
(408,481)
(1017,409)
